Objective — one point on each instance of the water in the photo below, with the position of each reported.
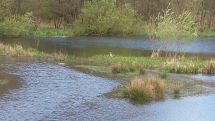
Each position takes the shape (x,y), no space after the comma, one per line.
(55,93)
(88,46)
(48,92)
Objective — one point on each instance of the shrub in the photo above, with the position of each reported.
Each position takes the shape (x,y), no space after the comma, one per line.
(146,90)
(170,26)
(105,17)
(17,25)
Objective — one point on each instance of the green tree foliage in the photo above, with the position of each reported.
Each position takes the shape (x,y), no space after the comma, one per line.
(171,27)
(105,17)
(17,25)
(4,8)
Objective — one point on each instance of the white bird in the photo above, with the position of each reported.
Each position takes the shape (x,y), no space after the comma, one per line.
(110,53)
(62,64)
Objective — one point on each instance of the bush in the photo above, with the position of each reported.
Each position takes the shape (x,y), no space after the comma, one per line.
(105,17)
(17,25)
(170,26)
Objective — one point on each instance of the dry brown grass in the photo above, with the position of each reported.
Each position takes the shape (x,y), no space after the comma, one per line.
(15,50)
(146,90)
(210,68)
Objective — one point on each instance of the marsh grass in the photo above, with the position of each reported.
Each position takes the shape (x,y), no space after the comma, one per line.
(141,91)
(209,68)
(173,65)
(184,65)
(18,50)
(15,50)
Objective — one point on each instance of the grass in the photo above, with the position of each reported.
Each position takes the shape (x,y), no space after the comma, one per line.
(4,82)
(122,64)
(210,33)
(141,91)
(18,50)
(51,32)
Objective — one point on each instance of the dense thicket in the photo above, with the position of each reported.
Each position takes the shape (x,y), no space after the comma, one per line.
(104,17)
(112,16)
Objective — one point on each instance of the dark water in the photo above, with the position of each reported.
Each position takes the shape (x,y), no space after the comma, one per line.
(87,46)
(55,93)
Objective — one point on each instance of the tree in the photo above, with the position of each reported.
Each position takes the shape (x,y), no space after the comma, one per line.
(105,17)
(4,8)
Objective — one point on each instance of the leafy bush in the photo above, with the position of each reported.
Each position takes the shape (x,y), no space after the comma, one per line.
(17,25)
(170,26)
(5,8)
(105,17)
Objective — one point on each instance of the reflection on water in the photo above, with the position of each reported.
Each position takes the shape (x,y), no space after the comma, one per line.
(205,77)
(87,46)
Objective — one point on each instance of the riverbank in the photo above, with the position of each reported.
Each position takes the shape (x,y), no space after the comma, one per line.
(68,32)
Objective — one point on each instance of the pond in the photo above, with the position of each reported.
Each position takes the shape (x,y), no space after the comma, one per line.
(88,46)
(47,92)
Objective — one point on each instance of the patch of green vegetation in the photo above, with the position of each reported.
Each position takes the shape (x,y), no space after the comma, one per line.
(4,82)
(138,62)
(173,65)
(210,33)
(171,27)
(17,25)
(51,32)
(106,17)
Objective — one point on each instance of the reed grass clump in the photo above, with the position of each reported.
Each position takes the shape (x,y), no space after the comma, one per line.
(119,68)
(15,50)
(125,67)
(209,68)
(178,66)
(142,91)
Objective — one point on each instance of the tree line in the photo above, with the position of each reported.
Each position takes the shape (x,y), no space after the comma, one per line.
(65,13)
